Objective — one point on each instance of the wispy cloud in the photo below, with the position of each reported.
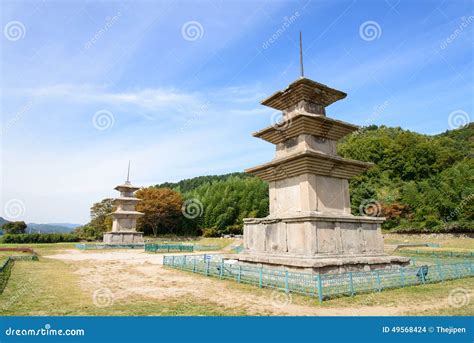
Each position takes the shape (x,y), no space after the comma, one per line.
(151,98)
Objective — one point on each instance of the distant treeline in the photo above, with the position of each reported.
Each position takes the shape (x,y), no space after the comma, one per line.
(421,183)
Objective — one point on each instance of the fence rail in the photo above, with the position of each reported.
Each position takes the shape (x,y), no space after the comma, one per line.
(439,254)
(98,246)
(322,286)
(206,247)
(168,248)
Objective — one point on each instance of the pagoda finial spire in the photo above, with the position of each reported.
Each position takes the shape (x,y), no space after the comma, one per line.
(301,55)
(128,174)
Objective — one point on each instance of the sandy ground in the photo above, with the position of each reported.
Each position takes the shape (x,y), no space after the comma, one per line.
(124,275)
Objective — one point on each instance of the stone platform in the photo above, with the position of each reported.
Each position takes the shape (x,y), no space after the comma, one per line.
(320,243)
(322,264)
(123,237)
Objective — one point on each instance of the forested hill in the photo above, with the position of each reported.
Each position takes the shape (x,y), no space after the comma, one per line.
(188,185)
(420,183)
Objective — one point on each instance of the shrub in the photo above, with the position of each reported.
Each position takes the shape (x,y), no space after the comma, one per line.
(39,238)
(5,274)
(211,232)
(236,229)
(455,227)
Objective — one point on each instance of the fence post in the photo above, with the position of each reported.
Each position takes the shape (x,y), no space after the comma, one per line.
(422,275)
(440,272)
(378,281)
(351,284)
(207,267)
(456,271)
(194,265)
(287,283)
(221,271)
(320,288)
(239,276)
(260,278)
(172,261)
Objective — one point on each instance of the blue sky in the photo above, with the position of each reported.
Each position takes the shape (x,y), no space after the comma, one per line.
(175,86)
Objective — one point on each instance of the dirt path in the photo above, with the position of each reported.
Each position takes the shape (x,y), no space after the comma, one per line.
(125,275)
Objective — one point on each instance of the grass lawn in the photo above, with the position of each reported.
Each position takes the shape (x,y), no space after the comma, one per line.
(52,287)
(220,242)
(447,243)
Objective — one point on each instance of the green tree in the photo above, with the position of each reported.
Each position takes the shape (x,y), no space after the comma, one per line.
(14,227)
(101,220)
(162,211)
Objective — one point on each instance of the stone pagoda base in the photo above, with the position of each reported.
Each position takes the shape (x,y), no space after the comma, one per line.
(322,264)
(124,237)
(318,243)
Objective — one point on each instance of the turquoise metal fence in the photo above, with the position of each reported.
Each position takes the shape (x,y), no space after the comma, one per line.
(319,285)
(206,247)
(237,249)
(439,254)
(98,246)
(168,248)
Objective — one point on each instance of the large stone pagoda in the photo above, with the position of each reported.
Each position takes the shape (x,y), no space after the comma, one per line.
(125,217)
(310,225)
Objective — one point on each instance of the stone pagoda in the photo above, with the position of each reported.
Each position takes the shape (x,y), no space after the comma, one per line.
(125,217)
(310,226)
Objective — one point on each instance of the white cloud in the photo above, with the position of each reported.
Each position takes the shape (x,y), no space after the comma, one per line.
(149,98)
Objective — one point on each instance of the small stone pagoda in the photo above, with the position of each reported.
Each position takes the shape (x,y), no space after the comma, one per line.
(310,226)
(125,217)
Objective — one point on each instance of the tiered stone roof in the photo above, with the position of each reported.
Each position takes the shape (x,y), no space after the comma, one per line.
(318,125)
(309,162)
(303,104)
(128,200)
(303,89)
